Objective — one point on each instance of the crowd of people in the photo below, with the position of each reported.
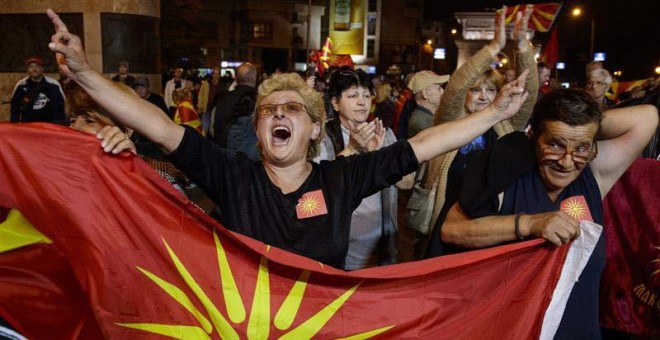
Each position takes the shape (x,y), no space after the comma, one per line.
(259,147)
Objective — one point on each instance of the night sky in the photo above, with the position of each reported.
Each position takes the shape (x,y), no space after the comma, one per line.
(628,31)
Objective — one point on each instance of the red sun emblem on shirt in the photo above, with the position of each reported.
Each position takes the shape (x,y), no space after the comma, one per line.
(311,204)
(577,208)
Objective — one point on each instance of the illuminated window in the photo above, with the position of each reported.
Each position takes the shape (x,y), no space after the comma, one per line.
(262,31)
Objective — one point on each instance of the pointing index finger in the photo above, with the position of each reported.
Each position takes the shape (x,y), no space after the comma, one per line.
(60,26)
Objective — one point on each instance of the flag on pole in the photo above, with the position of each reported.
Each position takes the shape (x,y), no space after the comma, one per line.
(324,58)
(550,55)
(542,16)
(131,257)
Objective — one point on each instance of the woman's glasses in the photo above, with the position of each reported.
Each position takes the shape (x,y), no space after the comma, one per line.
(288,108)
(581,155)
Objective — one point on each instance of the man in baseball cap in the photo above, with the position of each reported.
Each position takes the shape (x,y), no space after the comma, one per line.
(37,98)
(123,75)
(34,59)
(141,87)
(427,87)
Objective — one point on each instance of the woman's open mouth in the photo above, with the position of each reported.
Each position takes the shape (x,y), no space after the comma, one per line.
(280,134)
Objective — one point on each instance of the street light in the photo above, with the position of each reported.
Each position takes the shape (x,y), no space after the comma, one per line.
(577,12)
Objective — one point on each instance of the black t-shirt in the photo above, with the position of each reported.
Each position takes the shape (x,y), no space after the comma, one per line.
(253,206)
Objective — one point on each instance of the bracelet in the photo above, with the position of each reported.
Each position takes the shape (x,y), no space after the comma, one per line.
(517,225)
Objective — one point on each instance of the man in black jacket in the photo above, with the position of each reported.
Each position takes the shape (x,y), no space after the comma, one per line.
(37,98)
(233,105)
(144,146)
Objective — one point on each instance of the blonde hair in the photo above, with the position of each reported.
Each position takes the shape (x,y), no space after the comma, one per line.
(490,77)
(383,92)
(312,100)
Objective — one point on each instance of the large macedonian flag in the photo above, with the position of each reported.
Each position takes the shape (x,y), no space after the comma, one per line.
(98,245)
(542,16)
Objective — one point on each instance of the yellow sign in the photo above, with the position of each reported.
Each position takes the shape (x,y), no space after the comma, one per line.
(347,23)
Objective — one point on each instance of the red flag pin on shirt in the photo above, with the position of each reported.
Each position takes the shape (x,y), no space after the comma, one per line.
(577,208)
(311,204)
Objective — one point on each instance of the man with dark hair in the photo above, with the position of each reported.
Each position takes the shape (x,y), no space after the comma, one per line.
(571,159)
(141,87)
(37,98)
(237,105)
(176,82)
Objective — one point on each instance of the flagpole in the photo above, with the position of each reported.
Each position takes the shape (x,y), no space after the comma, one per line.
(309,24)
(593,34)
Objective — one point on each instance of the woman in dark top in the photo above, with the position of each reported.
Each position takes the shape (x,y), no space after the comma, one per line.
(284,200)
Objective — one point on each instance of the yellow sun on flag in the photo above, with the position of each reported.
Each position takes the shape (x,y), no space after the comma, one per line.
(212,323)
(575,209)
(309,204)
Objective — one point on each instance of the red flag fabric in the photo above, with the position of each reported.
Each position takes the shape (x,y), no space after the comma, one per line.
(339,60)
(36,281)
(185,114)
(550,55)
(399,106)
(630,287)
(542,16)
(619,87)
(149,264)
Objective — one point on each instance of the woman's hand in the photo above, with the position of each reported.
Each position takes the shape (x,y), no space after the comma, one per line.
(367,136)
(556,227)
(520,29)
(511,96)
(499,40)
(114,140)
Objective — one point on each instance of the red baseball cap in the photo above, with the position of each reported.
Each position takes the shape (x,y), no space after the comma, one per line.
(34,59)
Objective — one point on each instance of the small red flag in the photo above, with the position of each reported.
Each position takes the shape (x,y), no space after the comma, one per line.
(325,54)
(185,114)
(311,204)
(550,54)
(577,208)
